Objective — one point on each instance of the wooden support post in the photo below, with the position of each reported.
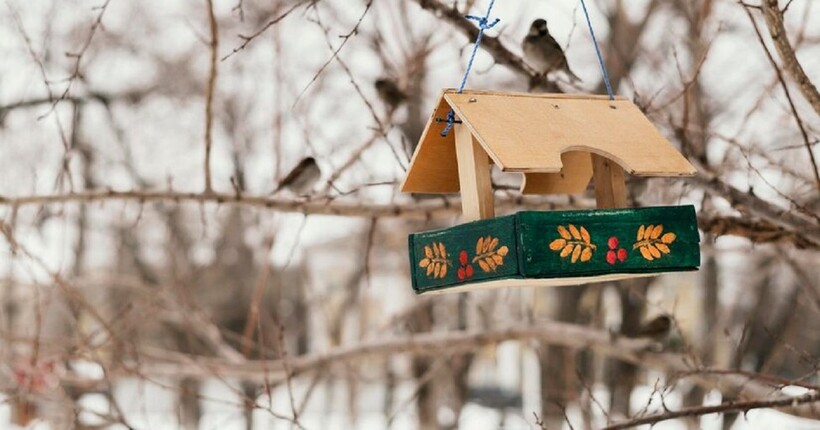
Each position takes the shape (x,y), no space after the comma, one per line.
(473,176)
(610,188)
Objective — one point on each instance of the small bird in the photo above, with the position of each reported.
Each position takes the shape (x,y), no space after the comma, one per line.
(390,93)
(543,53)
(302,178)
(656,329)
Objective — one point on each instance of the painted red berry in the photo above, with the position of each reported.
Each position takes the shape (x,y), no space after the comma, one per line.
(613,242)
(610,256)
(462,257)
(622,255)
(469,271)
(461,274)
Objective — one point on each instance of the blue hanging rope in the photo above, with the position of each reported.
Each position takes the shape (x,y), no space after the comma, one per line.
(483,24)
(598,51)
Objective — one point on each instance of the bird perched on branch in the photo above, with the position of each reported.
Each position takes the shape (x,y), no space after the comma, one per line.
(302,178)
(542,52)
(390,93)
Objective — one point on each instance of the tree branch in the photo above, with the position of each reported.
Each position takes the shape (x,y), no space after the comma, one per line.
(801,225)
(754,230)
(774,20)
(806,142)
(492,45)
(697,411)
(319,206)
(636,351)
(209,94)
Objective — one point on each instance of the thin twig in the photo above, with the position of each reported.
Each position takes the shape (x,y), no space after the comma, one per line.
(345,38)
(209,94)
(246,40)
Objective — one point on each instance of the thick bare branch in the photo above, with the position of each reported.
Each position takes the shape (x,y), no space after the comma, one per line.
(319,206)
(795,114)
(698,411)
(637,351)
(755,231)
(492,45)
(774,20)
(802,225)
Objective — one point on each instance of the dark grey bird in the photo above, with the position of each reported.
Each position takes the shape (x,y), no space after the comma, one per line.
(493,397)
(657,329)
(543,53)
(302,178)
(390,93)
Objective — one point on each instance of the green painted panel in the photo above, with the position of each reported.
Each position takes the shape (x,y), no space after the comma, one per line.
(475,251)
(595,242)
(556,244)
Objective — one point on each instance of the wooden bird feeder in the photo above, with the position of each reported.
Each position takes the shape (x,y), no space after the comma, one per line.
(559,143)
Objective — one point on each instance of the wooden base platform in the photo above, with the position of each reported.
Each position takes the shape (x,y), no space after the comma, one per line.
(544,249)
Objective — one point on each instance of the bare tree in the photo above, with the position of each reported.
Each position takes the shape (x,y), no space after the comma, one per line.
(149,249)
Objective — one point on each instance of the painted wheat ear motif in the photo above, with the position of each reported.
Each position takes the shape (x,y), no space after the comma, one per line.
(652,243)
(486,254)
(435,260)
(574,243)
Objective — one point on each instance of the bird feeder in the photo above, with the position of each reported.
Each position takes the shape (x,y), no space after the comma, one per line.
(559,142)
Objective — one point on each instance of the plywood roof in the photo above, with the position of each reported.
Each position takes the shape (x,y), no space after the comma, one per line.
(528,133)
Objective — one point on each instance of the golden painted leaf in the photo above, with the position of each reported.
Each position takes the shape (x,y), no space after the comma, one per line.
(487,242)
(435,250)
(493,244)
(443,272)
(428,252)
(503,251)
(479,245)
(668,238)
(499,260)
(424,262)
(443,250)
(491,263)
(430,269)
(558,244)
(656,233)
(585,235)
(564,233)
(483,266)
(586,255)
(662,248)
(654,251)
(646,254)
(648,232)
(574,232)
(576,254)
(640,232)
(566,251)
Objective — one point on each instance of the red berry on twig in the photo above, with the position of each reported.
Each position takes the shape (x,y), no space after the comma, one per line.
(610,257)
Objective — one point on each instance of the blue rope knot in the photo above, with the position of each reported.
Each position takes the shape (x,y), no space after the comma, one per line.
(483,24)
(451,119)
(482,21)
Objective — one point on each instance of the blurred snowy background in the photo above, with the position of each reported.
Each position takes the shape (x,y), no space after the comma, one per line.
(139,291)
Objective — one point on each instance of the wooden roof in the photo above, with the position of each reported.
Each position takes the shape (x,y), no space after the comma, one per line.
(548,137)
